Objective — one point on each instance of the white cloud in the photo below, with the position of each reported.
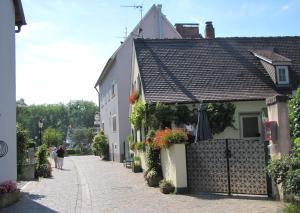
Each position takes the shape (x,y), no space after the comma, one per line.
(285,7)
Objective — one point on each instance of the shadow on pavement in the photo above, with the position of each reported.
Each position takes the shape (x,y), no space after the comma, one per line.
(210,196)
(27,204)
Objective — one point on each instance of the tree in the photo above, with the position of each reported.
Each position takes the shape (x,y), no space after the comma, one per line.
(82,136)
(81,113)
(53,137)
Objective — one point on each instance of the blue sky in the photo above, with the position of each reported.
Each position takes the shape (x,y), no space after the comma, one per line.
(62,50)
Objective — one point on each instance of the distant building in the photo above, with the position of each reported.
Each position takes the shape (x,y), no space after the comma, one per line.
(11,20)
(114,86)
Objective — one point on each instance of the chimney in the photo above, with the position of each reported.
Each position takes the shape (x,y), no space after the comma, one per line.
(188,30)
(209,30)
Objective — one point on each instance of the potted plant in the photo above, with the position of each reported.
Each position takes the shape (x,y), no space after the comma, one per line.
(136,166)
(9,193)
(166,186)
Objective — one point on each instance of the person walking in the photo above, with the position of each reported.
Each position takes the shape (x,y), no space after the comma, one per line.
(53,155)
(60,157)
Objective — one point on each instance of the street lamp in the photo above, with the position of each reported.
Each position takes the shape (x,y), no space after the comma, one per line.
(40,125)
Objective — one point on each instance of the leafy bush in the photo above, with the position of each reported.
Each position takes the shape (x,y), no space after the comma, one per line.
(286,171)
(166,186)
(220,116)
(140,146)
(292,208)
(73,151)
(43,170)
(294,114)
(137,116)
(43,166)
(166,137)
(22,143)
(132,146)
(296,147)
(100,145)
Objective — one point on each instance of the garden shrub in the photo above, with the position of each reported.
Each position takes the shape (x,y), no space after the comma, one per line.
(140,146)
(294,114)
(132,146)
(22,143)
(43,166)
(73,151)
(100,145)
(286,171)
(166,186)
(137,116)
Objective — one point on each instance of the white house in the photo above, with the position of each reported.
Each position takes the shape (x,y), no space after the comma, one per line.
(113,84)
(11,20)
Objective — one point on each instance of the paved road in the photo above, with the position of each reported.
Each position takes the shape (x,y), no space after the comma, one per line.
(88,184)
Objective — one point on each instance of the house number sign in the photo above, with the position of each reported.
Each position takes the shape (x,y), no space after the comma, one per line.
(3,149)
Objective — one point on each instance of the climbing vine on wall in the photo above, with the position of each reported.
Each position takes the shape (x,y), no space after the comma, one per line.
(160,116)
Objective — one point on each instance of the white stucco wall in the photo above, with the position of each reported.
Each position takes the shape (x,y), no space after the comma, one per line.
(241,107)
(120,73)
(8,170)
(173,163)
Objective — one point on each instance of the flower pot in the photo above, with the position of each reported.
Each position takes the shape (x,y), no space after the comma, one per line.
(167,189)
(9,198)
(136,168)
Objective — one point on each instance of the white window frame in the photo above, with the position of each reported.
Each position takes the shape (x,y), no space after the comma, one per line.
(112,122)
(249,115)
(286,74)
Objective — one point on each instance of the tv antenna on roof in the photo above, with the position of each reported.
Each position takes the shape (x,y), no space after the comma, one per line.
(136,7)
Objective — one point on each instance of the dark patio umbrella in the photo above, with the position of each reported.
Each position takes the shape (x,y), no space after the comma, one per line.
(202,131)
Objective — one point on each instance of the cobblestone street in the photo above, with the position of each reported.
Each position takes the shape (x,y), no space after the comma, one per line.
(88,184)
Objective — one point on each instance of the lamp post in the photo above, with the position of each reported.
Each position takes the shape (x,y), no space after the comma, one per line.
(40,125)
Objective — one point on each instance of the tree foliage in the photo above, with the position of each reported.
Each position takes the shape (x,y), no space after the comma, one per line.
(82,136)
(78,114)
(53,137)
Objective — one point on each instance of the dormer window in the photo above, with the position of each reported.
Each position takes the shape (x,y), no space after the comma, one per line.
(282,74)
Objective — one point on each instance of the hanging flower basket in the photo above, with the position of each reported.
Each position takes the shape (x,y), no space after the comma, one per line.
(133,97)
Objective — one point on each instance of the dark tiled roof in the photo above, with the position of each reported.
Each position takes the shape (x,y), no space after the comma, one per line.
(221,69)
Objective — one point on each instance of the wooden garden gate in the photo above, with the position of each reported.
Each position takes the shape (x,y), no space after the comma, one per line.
(227,166)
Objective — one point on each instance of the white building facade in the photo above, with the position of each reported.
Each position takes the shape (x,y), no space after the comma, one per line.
(113,84)
(11,15)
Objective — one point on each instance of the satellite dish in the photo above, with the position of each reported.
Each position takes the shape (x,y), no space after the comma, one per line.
(3,149)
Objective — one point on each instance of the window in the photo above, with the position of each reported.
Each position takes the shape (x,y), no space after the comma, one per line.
(282,74)
(113,90)
(114,123)
(250,125)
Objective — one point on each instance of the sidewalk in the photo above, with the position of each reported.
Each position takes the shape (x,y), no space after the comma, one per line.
(57,194)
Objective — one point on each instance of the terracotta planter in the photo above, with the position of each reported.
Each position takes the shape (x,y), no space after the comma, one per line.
(9,198)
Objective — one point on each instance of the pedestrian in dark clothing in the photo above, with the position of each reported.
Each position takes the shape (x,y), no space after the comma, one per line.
(60,157)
